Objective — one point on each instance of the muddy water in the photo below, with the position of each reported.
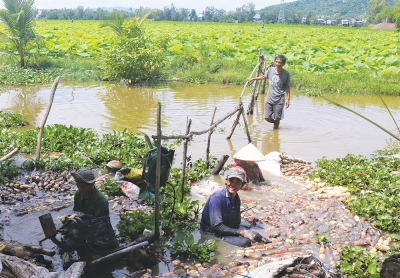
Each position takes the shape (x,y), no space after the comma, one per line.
(312,128)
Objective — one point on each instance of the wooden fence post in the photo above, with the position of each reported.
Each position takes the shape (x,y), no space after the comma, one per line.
(158,166)
(209,139)
(46,114)
(185,144)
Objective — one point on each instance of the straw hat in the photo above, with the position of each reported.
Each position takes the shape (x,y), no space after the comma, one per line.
(249,153)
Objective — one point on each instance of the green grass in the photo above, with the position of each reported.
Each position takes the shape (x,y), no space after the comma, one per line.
(219,72)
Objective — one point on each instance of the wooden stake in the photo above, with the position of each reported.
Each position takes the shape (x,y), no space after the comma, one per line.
(10,154)
(254,91)
(40,134)
(158,166)
(235,123)
(148,141)
(209,139)
(220,164)
(185,146)
(245,124)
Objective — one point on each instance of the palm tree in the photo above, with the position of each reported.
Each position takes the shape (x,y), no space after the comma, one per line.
(118,20)
(17,17)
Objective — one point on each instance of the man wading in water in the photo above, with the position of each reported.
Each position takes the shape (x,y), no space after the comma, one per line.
(279,84)
(221,214)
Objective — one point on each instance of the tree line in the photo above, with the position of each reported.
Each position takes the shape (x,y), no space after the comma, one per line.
(168,13)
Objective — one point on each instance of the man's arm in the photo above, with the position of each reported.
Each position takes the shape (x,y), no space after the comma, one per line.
(261,77)
(287,96)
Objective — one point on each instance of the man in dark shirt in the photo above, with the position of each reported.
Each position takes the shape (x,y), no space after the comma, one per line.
(221,213)
(88,199)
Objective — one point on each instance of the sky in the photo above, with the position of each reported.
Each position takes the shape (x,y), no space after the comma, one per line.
(199,6)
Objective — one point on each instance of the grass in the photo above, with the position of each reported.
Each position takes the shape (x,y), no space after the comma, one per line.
(217,71)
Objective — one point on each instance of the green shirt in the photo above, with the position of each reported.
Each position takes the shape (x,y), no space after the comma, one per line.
(96,205)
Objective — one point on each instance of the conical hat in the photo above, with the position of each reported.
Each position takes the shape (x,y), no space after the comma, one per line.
(249,153)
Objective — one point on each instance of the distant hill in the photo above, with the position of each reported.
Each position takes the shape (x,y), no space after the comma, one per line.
(346,8)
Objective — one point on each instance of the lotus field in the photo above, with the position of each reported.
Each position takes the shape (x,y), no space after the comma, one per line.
(308,48)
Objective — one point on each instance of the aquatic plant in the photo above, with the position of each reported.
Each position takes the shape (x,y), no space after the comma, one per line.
(8,119)
(357,263)
(8,170)
(178,220)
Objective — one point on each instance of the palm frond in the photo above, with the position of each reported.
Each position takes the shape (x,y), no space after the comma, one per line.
(142,18)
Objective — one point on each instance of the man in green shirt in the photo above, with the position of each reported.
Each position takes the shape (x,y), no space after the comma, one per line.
(88,199)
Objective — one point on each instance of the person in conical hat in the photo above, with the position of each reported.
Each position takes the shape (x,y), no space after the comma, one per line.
(246,159)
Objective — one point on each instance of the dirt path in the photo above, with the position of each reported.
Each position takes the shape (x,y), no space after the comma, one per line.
(385,26)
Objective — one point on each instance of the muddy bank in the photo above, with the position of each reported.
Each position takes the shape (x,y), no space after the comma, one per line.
(291,223)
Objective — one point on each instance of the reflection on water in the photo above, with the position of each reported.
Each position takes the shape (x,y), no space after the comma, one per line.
(312,128)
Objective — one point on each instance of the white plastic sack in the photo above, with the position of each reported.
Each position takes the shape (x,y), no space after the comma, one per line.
(20,268)
(271,164)
(129,189)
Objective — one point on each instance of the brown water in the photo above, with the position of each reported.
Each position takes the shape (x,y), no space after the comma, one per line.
(312,128)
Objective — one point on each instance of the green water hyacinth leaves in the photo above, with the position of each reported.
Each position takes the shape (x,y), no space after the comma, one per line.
(8,120)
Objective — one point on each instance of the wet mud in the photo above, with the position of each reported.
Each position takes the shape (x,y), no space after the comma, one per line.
(290,222)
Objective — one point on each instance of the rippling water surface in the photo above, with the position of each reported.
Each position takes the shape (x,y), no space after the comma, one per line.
(312,128)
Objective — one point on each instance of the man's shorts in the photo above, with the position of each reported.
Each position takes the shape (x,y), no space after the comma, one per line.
(273,111)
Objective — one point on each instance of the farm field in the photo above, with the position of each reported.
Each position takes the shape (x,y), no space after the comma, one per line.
(217,47)
(311,48)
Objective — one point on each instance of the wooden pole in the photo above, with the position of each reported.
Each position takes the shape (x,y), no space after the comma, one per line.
(185,147)
(261,83)
(253,93)
(148,141)
(158,166)
(190,135)
(264,82)
(40,134)
(10,154)
(220,164)
(245,123)
(110,258)
(235,123)
(247,82)
(209,139)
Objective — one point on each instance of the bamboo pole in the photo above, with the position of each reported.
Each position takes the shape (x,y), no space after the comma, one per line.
(245,123)
(40,134)
(247,82)
(10,154)
(185,147)
(158,166)
(261,83)
(253,93)
(209,139)
(235,123)
(190,135)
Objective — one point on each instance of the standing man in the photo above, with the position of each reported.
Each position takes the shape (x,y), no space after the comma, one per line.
(279,84)
(221,214)
(88,199)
